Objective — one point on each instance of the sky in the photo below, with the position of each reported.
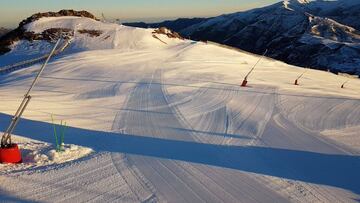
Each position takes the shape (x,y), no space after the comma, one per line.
(13,11)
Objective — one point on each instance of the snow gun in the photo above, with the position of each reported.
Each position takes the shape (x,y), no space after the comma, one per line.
(9,152)
(244,83)
(343,85)
(297,79)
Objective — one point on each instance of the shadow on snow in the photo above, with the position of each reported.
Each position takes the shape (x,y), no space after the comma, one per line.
(327,169)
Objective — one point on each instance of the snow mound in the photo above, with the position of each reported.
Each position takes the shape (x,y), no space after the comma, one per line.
(111,36)
(39,154)
(87,34)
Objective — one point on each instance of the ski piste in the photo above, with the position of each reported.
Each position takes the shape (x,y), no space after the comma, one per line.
(149,121)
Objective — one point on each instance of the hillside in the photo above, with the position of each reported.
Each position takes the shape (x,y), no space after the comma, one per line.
(318,34)
(164,119)
(35,35)
(22,33)
(3,31)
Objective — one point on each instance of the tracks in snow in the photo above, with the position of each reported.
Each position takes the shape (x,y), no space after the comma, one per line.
(200,118)
(148,113)
(93,180)
(225,115)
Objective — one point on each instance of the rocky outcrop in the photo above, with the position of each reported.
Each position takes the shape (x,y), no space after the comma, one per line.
(57,14)
(8,39)
(91,33)
(167,32)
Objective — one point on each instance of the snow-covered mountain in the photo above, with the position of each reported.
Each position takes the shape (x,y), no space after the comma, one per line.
(160,118)
(35,35)
(317,34)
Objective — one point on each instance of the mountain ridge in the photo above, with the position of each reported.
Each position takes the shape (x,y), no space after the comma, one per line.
(318,34)
(3,31)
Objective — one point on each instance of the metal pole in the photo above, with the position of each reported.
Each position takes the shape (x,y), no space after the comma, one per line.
(42,68)
(302,74)
(343,85)
(6,138)
(252,69)
(297,79)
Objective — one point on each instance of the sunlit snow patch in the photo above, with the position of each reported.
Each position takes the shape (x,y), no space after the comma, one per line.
(37,154)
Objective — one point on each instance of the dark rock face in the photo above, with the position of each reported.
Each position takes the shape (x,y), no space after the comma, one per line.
(3,31)
(9,38)
(57,14)
(54,34)
(318,34)
(50,34)
(91,33)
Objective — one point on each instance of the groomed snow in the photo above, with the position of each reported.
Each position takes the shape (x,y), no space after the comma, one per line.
(169,122)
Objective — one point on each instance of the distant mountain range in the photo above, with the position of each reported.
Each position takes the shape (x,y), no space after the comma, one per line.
(318,34)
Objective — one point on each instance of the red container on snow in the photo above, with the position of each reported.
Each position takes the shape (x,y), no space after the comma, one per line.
(10,154)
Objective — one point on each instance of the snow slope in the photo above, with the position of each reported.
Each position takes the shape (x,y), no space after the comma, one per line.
(111,37)
(169,123)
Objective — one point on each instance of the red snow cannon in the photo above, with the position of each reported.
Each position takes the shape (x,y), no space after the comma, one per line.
(10,154)
(244,83)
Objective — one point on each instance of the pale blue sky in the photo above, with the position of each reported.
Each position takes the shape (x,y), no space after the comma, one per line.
(13,11)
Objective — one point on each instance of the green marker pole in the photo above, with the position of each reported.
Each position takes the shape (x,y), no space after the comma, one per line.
(55,134)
